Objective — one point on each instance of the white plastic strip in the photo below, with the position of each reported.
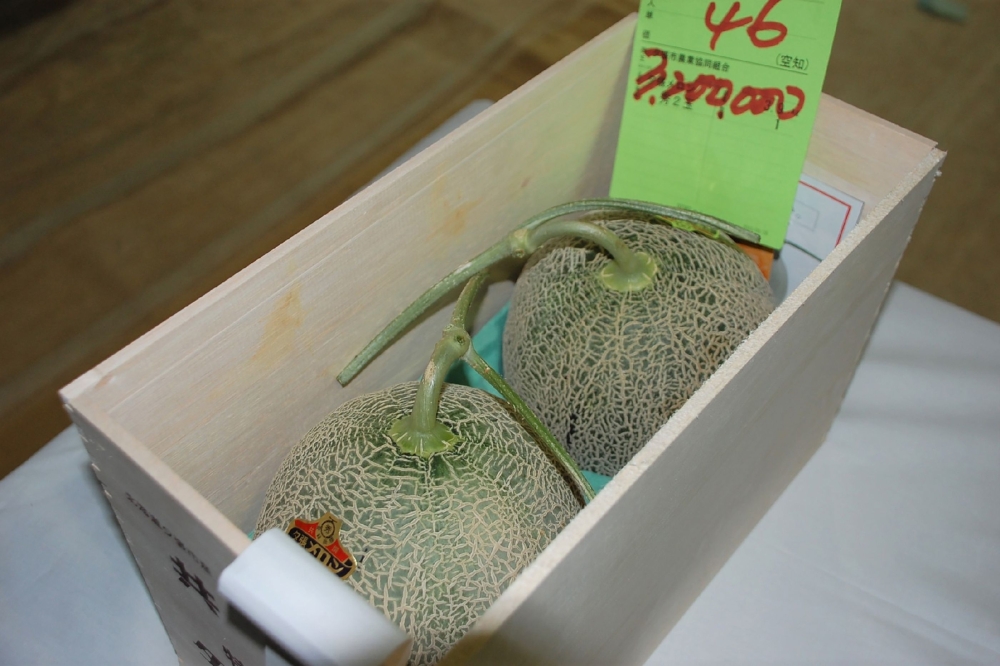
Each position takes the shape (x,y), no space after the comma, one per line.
(308,611)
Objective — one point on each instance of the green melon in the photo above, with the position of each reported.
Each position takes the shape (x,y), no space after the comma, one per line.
(444,493)
(604,369)
(436,539)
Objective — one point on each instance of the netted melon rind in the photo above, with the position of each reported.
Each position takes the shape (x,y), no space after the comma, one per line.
(605,369)
(437,539)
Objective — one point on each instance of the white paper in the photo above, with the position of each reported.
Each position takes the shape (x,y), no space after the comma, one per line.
(822,216)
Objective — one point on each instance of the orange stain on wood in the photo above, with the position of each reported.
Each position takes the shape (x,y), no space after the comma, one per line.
(455,219)
(280,329)
(454,211)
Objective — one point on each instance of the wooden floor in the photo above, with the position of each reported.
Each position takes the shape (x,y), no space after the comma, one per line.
(149,150)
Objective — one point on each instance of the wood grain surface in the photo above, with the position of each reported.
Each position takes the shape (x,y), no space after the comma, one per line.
(148,151)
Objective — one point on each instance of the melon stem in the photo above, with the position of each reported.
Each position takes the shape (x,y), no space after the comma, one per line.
(534,424)
(454,343)
(629,271)
(452,346)
(460,315)
(404,319)
(513,246)
(646,207)
(421,433)
(460,320)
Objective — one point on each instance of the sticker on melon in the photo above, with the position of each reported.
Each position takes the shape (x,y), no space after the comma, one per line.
(321,539)
(445,492)
(615,320)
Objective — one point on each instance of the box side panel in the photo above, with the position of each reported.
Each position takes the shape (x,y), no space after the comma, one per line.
(224,396)
(861,154)
(180,556)
(618,578)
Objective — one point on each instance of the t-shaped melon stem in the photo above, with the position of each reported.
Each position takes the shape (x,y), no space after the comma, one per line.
(513,245)
(422,434)
(627,270)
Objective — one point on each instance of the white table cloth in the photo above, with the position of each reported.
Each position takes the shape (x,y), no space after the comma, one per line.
(885,548)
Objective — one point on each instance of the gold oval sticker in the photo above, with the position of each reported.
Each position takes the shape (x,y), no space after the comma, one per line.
(321,539)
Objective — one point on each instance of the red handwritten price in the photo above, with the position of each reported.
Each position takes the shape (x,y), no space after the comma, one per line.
(757,25)
(717,92)
(718,83)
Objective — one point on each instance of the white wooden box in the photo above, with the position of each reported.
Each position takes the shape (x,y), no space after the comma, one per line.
(187,425)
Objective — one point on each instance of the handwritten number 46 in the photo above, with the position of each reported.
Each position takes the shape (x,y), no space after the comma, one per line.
(756,25)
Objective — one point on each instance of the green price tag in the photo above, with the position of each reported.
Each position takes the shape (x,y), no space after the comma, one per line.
(720,105)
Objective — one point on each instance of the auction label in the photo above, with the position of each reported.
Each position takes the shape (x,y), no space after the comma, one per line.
(720,105)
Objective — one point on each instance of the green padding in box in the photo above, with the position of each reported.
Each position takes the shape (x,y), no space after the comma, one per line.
(597,481)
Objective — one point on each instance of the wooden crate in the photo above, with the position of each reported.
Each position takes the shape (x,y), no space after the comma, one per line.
(187,425)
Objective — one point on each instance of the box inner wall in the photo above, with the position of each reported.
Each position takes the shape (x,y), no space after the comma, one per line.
(225,413)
